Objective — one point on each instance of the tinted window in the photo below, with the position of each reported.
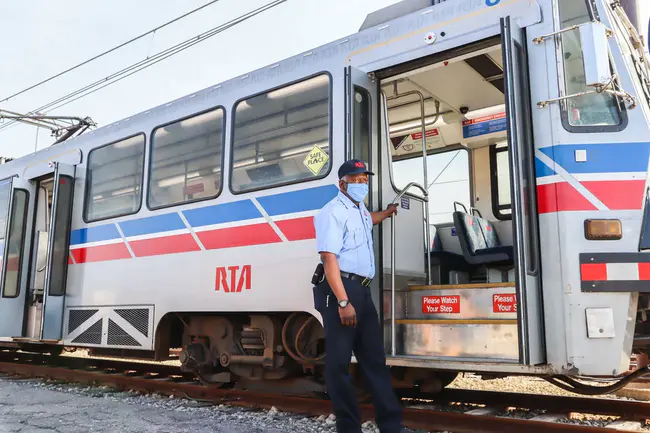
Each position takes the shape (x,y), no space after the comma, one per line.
(16,243)
(596,109)
(115,179)
(502,206)
(282,136)
(186,160)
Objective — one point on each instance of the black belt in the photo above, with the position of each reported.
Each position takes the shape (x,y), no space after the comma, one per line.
(365,281)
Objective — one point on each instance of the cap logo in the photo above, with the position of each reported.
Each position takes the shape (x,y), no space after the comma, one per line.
(359,165)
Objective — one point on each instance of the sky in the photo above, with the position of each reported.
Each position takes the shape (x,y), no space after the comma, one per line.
(53,37)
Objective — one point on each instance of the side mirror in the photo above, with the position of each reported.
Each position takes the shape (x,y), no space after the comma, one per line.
(595,52)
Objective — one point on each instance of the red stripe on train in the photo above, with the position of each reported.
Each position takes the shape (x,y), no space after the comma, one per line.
(558,197)
(256,234)
(615,194)
(100,253)
(184,243)
(593,272)
(298,229)
(618,194)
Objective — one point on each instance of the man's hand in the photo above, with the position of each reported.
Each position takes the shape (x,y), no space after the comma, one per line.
(378,217)
(348,315)
(391,210)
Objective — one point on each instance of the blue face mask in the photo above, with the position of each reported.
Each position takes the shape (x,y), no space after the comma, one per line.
(358,191)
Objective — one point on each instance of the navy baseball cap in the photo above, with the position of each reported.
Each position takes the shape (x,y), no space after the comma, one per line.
(353,166)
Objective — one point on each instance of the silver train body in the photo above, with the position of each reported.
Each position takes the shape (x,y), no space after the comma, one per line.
(190,225)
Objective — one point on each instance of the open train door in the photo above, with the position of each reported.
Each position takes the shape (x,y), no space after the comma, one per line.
(58,252)
(15,211)
(362,142)
(523,192)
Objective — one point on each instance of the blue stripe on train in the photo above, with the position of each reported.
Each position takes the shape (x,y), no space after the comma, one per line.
(222,213)
(298,201)
(94,234)
(601,158)
(154,224)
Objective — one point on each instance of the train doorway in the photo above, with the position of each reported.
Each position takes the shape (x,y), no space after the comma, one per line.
(51,232)
(461,273)
(36,235)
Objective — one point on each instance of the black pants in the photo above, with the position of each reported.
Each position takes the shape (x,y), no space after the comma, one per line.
(366,341)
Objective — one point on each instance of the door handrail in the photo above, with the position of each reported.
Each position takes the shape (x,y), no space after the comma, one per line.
(400,194)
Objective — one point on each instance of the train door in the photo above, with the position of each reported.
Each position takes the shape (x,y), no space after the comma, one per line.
(58,245)
(15,211)
(523,194)
(462,280)
(362,142)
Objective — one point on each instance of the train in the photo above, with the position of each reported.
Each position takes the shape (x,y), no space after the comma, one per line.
(512,134)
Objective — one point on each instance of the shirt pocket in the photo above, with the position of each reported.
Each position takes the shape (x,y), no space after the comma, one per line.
(355,236)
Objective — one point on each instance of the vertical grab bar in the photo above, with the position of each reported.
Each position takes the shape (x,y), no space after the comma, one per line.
(427,233)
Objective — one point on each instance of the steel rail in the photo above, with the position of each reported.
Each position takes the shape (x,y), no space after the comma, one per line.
(168,380)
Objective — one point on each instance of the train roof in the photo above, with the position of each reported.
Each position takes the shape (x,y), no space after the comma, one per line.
(396,10)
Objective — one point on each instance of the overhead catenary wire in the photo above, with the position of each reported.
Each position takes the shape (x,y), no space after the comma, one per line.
(149,61)
(115,48)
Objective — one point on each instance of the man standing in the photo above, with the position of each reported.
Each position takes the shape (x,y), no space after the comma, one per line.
(344,241)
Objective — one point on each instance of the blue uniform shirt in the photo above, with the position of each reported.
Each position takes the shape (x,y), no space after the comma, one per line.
(345,230)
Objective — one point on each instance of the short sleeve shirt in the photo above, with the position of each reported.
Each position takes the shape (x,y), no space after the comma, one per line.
(345,230)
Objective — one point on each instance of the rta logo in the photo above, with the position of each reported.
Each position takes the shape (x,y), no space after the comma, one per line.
(233,278)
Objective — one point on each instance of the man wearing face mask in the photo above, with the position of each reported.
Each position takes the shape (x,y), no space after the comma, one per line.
(342,296)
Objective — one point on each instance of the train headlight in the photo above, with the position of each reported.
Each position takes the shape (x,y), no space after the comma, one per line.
(602,230)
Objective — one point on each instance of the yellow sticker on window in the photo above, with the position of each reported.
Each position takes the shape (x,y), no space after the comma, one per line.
(316,160)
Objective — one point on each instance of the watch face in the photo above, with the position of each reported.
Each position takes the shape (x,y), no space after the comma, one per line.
(343,304)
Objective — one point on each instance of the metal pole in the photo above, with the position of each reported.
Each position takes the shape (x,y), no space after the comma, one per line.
(426,183)
(392,287)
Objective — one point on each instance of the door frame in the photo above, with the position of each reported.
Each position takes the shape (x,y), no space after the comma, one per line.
(523,189)
(54,304)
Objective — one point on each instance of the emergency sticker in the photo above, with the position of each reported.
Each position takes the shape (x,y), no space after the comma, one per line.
(504,303)
(316,160)
(441,304)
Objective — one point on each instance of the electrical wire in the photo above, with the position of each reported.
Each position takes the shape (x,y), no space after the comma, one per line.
(150,61)
(443,170)
(117,47)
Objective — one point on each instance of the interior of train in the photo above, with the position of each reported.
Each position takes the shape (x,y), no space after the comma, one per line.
(467,162)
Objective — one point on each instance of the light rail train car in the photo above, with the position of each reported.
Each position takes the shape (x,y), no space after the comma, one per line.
(513,134)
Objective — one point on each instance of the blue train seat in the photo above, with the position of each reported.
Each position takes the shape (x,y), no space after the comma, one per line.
(444,261)
(480,242)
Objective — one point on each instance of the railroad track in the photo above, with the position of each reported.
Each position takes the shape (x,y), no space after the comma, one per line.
(454,410)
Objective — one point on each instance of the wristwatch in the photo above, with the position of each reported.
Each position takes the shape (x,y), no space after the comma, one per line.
(344,303)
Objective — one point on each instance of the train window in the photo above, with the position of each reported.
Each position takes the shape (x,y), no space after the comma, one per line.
(282,136)
(448,178)
(186,159)
(500,181)
(114,179)
(596,110)
(361,112)
(361,138)
(15,244)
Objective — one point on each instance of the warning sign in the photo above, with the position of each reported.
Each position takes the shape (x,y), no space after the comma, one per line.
(413,142)
(504,303)
(441,304)
(316,160)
